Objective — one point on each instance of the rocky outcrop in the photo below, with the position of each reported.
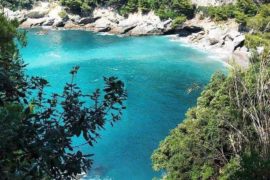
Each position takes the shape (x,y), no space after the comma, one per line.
(224,40)
(212,2)
(102,20)
(86,20)
(33,22)
(36,14)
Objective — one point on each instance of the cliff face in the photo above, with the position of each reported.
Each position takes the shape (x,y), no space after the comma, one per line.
(212,2)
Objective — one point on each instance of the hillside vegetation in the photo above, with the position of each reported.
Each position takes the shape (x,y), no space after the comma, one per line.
(163,8)
(251,16)
(226,135)
(17,4)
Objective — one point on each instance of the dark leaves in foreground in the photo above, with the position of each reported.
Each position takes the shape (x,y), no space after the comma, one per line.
(36,129)
(39,143)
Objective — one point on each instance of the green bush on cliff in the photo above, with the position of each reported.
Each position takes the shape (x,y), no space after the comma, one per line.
(260,22)
(63,14)
(178,21)
(241,10)
(163,8)
(17,4)
(224,135)
(257,40)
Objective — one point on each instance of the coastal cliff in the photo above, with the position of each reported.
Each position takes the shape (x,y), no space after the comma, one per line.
(53,15)
(221,39)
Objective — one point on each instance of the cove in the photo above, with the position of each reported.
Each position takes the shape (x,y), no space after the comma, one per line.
(157,73)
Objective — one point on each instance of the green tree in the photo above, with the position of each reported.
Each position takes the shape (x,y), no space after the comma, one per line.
(226,136)
(36,128)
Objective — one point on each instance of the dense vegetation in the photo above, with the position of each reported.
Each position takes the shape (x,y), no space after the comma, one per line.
(226,136)
(164,8)
(241,10)
(179,10)
(17,4)
(36,128)
(251,16)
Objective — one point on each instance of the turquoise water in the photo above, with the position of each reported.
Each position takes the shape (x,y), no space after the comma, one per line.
(157,73)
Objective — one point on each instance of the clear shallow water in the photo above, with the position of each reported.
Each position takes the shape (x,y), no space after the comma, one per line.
(157,73)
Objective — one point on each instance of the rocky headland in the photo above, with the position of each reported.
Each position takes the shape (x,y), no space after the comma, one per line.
(225,40)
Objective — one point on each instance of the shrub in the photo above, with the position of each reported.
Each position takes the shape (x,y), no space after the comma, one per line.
(248,7)
(257,40)
(178,21)
(63,14)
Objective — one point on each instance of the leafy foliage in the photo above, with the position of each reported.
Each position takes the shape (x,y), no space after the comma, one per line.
(164,8)
(37,128)
(226,135)
(241,10)
(178,21)
(17,4)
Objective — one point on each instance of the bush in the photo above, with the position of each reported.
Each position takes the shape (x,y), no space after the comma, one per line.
(163,8)
(219,139)
(18,4)
(247,7)
(241,11)
(178,21)
(73,5)
(63,14)
(257,40)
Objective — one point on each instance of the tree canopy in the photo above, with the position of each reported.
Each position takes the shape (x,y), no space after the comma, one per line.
(226,136)
(36,128)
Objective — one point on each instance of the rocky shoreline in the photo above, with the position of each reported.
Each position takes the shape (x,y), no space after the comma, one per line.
(223,40)
(53,15)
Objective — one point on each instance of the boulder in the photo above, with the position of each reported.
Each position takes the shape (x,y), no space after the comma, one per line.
(123,29)
(241,57)
(102,25)
(88,20)
(187,30)
(227,44)
(145,29)
(71,25)
(104,29)
(21,18)
(167,23)
(32,22)
(233,34)
(75,18)
(59,23)
(36,14)
(213,41)
(49,22)
(260,50)
(124,26)
(238,41)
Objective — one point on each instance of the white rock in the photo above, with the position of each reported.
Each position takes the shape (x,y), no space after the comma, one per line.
(33,22)
(238,40)
(49,22)
(260,50)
